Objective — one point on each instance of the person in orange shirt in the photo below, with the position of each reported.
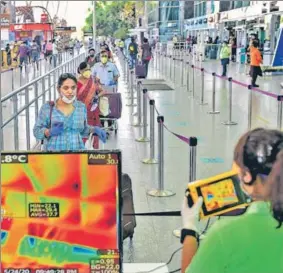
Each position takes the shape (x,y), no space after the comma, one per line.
(256,60)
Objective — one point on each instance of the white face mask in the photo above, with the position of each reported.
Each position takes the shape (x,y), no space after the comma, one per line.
(66,100)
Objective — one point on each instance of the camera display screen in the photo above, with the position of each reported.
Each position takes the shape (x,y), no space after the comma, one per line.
(219,195)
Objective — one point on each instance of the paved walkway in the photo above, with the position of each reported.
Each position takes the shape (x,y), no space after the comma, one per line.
(153,241)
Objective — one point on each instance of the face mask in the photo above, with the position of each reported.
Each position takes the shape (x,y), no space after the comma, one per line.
(87,74)
(104,60)
(66,100)
(91,55)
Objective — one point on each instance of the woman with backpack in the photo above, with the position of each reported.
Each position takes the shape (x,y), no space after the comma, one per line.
(146,54)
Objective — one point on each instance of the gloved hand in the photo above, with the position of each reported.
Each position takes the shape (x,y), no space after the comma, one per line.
(57,129)
(190,216)
(100,133)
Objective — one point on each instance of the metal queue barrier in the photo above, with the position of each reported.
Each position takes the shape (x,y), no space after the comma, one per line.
(32,94)
(193,71)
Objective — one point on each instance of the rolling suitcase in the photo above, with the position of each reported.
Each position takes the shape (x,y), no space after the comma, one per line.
(128,222)
(140,70)
(115,105)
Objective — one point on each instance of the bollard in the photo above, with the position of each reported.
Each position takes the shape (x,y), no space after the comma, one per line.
(202,88)
(160,191)
(138,113)
(213,111)
(151,159)
(13,83)
(229,121)
(182,72)
(144,138)
(250,105)
(171,66)
(188,76)
(193,80)
(192,170)
(131,97)
(279,112)
(174,69)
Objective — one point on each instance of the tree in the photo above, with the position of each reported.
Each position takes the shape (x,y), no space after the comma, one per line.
(113,18)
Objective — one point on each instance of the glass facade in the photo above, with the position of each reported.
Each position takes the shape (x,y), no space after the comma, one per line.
(228,5)
(199,8)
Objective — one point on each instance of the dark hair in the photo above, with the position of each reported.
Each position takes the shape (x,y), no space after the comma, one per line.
(145,40)
(82,66)
(260,151)
(255,43)
(132,39)
(64,77)
(91,49)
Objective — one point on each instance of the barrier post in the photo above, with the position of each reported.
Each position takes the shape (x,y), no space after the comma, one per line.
(250,105)
(170,68)
(160,191)
(229,121)
(279,112)
(182,72)
(188,76)
(192,170)
(213,111)
(144,137)
(174,69)
(13,83)
(151,159)
(193,80)
(131,96)
(138,113)
(202,88)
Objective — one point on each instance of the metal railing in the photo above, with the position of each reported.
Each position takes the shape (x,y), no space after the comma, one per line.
(15,107)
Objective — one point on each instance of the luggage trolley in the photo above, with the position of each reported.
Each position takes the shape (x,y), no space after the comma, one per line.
(115,109)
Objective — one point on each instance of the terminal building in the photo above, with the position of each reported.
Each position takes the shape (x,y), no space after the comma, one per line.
(224,19)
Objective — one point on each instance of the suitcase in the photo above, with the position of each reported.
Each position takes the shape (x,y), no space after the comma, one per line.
(115,105)
(140,71)
(128,222)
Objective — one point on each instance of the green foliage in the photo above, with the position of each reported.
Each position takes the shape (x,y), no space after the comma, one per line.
(113,18)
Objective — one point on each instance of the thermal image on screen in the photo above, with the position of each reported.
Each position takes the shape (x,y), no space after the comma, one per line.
(219,195)
(58,211)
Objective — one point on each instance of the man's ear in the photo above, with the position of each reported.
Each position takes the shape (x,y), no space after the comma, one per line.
(247,177)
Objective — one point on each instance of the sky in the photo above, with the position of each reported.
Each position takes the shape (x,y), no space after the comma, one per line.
(75,13)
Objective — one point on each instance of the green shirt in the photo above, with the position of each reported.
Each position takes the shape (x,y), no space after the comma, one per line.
(249,243)
(225,52)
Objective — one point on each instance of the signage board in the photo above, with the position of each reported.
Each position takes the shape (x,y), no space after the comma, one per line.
(61,212)
(5,20)
(72,29)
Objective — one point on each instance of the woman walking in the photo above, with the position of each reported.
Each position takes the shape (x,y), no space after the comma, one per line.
(89,93)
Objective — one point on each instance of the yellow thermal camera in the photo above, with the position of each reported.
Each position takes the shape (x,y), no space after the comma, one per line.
(221,194)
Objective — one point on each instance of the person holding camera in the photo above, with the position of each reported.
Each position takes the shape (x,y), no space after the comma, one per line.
(253,241)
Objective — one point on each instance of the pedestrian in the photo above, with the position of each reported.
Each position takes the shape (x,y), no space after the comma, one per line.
(225,53)
(89,93)
(146,54)
(256,61)
(133,52)
(63,124)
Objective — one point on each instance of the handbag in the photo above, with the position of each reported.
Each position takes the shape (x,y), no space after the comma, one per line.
(39,144)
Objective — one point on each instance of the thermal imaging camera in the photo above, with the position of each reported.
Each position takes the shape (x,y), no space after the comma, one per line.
(221,194)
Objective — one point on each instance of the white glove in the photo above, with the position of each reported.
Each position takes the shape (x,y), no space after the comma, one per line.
(191,215)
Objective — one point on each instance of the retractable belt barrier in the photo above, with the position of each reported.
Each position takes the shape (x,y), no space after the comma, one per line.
(188,63)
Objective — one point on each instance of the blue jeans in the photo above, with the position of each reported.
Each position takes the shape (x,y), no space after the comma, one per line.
(133,60)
